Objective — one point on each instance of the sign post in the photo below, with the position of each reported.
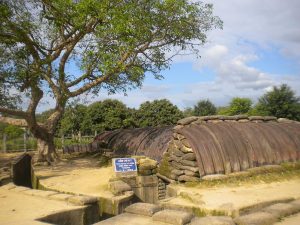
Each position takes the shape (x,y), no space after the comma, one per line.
(125,167)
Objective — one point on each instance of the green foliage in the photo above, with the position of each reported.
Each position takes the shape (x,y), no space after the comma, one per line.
(158,113)
(280,102)
(187,112)
(113,42)
(239,106)
(71,123)
(204,108)
(223,110)
(13,131)
(106,115)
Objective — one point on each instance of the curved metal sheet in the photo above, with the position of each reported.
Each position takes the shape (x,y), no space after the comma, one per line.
(151,141)
(219,147)
(242,145)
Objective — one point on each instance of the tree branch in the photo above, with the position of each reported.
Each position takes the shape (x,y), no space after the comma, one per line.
(13,112)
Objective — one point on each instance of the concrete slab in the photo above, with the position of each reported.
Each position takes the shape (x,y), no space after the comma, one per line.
(173,217)
(291,220)
(8,186)
(230,200)
(259,218)
(84,174)
(60,197)
(212,220)
(130,219)
(281,209)
(145,209)
(18,208)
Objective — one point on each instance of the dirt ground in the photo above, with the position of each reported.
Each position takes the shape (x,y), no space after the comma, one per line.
(79,176)
(6,158)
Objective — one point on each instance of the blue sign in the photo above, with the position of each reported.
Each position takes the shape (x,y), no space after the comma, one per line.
(125,165)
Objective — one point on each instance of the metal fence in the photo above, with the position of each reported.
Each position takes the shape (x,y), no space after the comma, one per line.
(28,143)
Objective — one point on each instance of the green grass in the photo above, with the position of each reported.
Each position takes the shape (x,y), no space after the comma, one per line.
(287,171)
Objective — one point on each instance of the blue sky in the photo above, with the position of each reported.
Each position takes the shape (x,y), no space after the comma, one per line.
(258,48)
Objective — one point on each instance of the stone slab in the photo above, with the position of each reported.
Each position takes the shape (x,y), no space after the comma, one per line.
(281,209)
(8,186)
(145,209)
(212,220)
(130,219)
(60,197)
(173,217)
(82,200)
(118,187)
(258,218)
(20,189)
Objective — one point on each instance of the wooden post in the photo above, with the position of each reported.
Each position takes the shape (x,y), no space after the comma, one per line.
(95,133)
(4,143)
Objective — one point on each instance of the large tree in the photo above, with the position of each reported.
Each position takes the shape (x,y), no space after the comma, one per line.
(158,113)
(204,108)
(239,106)
(111,43)
(281,101)
(109,114)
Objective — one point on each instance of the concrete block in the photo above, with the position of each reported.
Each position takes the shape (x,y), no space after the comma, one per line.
(173,217)
(212,220)
(296,203)
(60,197)
(21,188)
(281,209)
(145,209)
(44,194)
(8,186)
(118,187)
(82,200)
(258,218)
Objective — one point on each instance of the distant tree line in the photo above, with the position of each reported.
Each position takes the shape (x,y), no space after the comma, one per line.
(281,102)
(113,114)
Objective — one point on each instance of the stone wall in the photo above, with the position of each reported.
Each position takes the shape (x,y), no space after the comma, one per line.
(179,162)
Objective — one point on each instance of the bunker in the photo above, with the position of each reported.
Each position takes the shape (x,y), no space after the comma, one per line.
(200,146)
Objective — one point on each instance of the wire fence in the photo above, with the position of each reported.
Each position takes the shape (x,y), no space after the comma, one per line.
(29,143)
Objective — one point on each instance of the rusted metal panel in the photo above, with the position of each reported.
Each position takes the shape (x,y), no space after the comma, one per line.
(243,145)
(219,147)
(150,141)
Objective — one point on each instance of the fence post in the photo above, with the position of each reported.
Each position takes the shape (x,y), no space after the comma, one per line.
(95,133)
(25,140)
(62,141)
(4,143)
(79,136)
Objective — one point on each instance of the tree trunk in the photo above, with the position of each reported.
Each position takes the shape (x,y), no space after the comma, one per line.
(46,150)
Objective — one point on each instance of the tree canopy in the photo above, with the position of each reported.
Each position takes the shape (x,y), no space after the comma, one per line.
(204,108)
(158,113)
(280,102)
(106,115)
(239,106)
(112,44)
